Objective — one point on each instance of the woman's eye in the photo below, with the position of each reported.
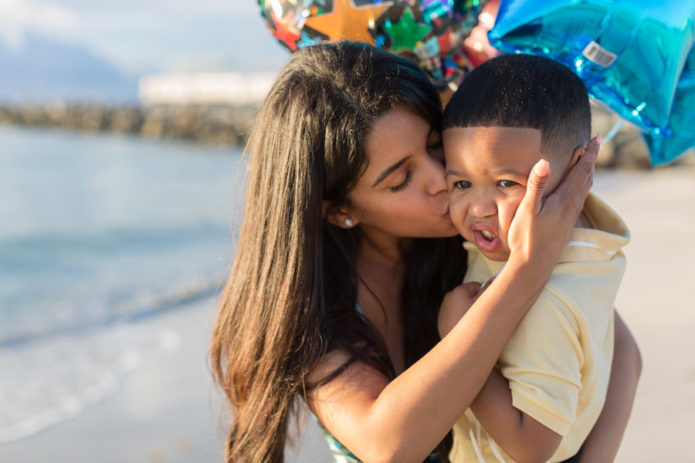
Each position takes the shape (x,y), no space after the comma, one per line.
(404,184)
(507,183)
(462,184)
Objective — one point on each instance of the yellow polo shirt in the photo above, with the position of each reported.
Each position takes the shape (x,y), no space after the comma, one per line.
(558,361)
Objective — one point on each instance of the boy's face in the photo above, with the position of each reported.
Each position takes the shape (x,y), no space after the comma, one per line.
(487,169)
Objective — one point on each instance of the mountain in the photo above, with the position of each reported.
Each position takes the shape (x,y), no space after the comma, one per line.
(46,70)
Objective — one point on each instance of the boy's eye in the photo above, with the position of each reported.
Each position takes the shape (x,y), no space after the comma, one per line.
(462,184)
(507,183)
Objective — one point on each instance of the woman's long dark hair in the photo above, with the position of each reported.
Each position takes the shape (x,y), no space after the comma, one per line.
(291,294)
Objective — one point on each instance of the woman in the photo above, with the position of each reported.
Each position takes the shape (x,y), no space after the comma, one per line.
(337,281)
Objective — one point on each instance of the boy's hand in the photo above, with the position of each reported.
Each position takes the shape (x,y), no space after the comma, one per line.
(455,305)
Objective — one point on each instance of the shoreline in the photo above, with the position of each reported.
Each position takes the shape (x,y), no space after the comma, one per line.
(166,410)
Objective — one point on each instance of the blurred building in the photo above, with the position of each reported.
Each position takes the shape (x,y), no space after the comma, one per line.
(208,88)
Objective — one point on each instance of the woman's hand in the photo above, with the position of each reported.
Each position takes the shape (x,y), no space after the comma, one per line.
(455,305)
(542,225)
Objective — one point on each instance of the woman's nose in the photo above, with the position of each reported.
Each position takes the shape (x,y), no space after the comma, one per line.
(436,177)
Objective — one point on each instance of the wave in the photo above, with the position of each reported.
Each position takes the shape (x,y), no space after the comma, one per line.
(119,307)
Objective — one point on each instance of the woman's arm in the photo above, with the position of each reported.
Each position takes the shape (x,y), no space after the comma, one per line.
(604,440)
(403,420)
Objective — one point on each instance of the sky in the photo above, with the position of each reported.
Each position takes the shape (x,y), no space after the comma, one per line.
(143,36)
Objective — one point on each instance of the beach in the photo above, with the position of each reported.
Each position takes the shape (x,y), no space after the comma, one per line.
(166,409)
(657,300)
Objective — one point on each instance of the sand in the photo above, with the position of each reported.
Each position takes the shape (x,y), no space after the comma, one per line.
(657,300)
(168,410)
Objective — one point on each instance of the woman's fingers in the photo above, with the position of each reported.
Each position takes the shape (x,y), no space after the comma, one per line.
(580,178)
(536,185)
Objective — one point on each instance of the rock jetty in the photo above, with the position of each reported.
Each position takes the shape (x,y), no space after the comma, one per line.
(226,125)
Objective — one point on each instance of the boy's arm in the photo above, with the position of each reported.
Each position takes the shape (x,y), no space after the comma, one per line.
(450,314)
(531,403)
(604,439)
(520,436)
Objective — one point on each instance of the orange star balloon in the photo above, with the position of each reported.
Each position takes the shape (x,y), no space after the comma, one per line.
(347,21)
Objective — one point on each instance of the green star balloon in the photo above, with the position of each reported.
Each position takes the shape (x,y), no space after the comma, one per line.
(405,33)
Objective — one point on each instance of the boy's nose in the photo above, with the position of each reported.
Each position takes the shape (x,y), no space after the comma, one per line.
(482,207)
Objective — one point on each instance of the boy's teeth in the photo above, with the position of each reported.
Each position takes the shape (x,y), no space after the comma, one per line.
(487,235)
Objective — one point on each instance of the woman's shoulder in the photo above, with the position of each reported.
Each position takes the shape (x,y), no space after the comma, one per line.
(342,365)
(329,363)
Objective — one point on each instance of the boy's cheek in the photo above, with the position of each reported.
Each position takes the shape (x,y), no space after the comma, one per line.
(457,212)
(506,216)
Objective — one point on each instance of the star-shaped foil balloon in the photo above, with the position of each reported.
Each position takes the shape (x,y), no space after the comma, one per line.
(433,30)
(406,33)
(347,21)
(285,31)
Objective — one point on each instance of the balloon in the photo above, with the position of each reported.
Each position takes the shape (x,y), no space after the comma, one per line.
(664,148)
(629,53)
(477,45)
(429,31)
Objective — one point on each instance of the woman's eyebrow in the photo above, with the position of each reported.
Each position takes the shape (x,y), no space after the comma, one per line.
(388,171)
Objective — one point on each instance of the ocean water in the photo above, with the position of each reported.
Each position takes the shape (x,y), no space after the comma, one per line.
(97,232)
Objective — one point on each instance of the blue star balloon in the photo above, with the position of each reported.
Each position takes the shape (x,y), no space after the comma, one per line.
(629,53)
(681,137)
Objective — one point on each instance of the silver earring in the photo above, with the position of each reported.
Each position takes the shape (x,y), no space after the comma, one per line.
(347,221)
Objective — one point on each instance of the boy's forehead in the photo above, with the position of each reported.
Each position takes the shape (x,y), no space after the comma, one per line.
(505,141)
(493,135)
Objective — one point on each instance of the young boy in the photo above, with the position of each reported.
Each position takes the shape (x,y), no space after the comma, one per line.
(508,114)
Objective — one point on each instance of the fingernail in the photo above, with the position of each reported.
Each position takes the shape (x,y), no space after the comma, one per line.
(599,138)
(542,167)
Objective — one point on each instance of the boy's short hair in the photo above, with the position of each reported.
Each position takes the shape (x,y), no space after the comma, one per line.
(520,90)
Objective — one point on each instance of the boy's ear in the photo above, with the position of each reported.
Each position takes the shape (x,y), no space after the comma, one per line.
(337,215)
(576,155)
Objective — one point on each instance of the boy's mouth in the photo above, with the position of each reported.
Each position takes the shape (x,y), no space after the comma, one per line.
(485,240)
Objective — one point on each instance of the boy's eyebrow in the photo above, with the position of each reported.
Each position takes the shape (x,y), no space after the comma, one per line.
(510,171)
(455,172)
(389,170)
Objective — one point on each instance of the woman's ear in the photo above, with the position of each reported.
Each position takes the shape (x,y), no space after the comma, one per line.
(338,216)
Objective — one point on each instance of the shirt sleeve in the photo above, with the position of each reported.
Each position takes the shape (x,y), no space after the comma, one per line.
(542,362)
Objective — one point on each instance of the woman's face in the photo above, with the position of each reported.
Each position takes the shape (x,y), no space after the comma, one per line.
(403,190)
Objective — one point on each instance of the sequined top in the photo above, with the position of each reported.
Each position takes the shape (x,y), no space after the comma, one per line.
(340,453)
(343,455)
